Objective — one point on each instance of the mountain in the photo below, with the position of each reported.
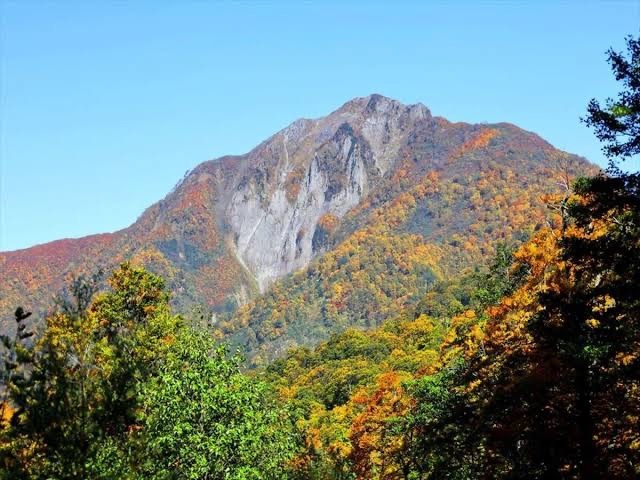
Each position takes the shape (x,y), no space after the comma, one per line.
(339,220)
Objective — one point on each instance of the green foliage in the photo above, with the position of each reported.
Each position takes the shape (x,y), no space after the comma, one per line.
(437,428)
(118,387)
(501,280)
(444,299)
(617,124)
(85,379)
(204,419)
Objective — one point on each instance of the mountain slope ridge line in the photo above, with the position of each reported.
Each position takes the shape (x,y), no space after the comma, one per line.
(240,223)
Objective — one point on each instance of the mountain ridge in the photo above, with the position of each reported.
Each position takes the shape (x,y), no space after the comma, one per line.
(235,225)
(353,101)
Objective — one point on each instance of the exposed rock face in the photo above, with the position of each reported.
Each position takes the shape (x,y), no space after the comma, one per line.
(337,160)
(234,225)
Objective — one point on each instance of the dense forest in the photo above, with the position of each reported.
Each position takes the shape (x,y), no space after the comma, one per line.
(524,368)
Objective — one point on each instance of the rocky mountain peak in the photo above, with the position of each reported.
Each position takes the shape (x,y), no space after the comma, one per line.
(236,224)
(308,171)
(376,104)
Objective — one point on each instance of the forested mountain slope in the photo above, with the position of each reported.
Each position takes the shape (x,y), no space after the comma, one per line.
(368,205)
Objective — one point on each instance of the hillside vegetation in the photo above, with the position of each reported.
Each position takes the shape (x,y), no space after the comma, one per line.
(235,226)
(526,369)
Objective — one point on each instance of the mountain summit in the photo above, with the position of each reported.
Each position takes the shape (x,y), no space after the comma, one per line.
(235,225)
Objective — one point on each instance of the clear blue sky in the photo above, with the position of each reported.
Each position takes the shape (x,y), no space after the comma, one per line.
(106,104)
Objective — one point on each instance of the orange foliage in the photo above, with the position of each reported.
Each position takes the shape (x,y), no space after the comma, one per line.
(329,222)
(478,140)
(292,184)
(375,447)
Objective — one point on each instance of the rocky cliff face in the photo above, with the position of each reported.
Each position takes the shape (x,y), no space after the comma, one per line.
(235,225)
(310,169)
